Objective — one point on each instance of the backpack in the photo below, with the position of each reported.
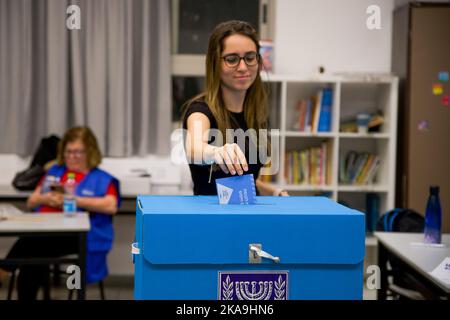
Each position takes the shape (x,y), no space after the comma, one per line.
(29,178)
(401,220)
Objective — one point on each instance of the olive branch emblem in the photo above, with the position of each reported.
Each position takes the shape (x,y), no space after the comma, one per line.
(280,289)
(227,291)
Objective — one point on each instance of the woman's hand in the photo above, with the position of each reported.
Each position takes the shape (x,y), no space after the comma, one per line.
(53,199)
(106,204)
(230,159)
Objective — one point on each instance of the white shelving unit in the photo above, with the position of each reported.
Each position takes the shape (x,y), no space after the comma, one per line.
(350,96)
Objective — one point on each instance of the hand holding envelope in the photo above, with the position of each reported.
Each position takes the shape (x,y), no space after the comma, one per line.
(230,159)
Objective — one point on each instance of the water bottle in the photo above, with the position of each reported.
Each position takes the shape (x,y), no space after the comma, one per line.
(70,202)
(433,217)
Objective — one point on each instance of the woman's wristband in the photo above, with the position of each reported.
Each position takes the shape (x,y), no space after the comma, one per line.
(209,154)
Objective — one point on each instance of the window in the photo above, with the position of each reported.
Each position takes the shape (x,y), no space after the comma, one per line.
(196,19)
(192,23)
(183,89)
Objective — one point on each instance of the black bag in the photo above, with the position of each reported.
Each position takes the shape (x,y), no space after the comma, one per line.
(401,220)
(29,178)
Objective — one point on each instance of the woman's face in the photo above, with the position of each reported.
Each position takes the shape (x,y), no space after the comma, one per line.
(242,76)
(75,156)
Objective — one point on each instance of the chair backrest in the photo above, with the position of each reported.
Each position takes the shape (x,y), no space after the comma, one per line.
(401,220)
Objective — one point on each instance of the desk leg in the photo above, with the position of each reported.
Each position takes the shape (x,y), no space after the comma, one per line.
(382,263)
(82,264)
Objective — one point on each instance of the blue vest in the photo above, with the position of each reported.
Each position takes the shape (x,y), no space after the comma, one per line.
(101,235)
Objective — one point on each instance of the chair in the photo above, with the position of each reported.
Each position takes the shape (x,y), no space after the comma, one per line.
(12,282)
(402,283)
(56,272)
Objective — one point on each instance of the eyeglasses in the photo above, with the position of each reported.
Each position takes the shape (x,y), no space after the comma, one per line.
(75,153)
(233,60)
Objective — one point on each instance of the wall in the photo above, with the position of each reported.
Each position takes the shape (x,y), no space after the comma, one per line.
(310,33)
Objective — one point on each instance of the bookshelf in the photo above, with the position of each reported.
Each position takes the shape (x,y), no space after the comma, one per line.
(350,96)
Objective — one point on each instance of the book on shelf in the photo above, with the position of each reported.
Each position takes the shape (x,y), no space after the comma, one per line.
(314,114)
(311,166)
(358,168)
(375,122)
(361,159)
(266,51)
(372,171)
(325,111)
(316,111)
(365,170)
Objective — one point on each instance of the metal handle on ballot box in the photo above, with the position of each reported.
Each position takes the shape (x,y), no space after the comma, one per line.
(255,254)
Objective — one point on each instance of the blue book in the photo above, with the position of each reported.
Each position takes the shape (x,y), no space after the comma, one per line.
(236,190)
(325,111)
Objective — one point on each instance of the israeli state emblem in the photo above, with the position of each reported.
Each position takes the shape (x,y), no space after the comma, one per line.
(257,285)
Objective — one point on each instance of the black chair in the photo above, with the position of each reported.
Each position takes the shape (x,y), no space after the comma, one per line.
(56,279)
(56,272)
(12,282)
(402,285)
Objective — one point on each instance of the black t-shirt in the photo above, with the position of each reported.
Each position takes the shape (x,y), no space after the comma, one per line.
(200,173)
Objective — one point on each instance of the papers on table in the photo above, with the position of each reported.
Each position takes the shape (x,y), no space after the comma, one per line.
(442,272)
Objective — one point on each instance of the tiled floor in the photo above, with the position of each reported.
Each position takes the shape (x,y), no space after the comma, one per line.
(369,294)
(116,288)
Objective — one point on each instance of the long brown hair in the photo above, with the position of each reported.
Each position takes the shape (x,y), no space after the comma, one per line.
(255,103)
(85,135)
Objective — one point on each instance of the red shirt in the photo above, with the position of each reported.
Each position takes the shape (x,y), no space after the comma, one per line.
(78,177)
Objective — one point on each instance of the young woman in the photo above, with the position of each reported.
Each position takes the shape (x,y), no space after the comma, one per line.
(234,98)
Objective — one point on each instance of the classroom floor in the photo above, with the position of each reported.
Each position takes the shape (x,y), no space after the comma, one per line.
(116,288)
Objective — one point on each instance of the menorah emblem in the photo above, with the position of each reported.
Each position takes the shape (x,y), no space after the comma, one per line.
(263,292)
(253,286)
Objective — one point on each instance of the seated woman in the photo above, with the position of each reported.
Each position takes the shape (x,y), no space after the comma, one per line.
(97,192)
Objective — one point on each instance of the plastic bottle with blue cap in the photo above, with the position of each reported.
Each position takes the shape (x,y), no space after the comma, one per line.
(70,201)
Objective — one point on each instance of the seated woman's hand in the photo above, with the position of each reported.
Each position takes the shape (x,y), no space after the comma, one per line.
(54,199)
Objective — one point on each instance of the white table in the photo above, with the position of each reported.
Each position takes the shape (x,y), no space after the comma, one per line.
(8,192)
(418,261)
(48,225)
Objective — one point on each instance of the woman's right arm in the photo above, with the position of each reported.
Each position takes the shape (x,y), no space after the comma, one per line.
(37,199)
(229,157)
(198,151)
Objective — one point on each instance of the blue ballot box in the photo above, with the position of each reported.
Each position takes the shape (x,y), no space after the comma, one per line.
(191,247)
